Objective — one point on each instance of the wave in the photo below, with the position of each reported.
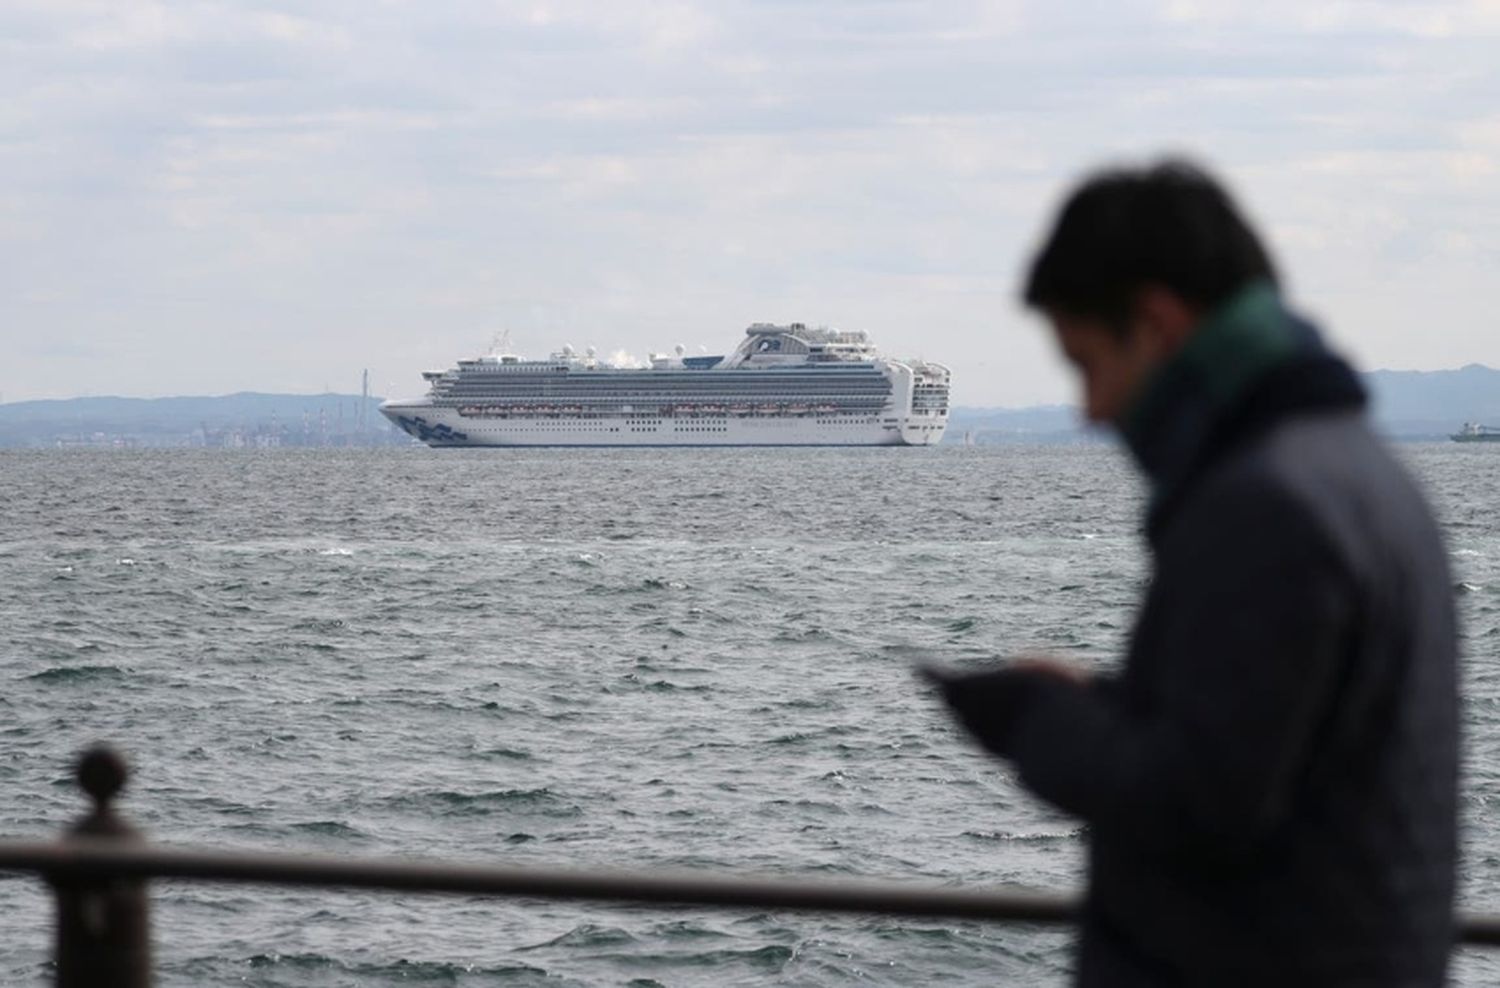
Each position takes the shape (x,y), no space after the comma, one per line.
(660,624)
(589,936)
(77,674)
(1032,837)
(511,754)
(771,958)
(813,634)
(686,929)
(801,737)
(406,971)
(632,681)
(805,703)
(330,828)
(541,801)
(586,935)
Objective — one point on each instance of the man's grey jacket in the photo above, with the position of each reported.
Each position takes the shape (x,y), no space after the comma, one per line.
(1269,786)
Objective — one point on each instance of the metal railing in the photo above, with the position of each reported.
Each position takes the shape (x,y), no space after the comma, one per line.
(98,874)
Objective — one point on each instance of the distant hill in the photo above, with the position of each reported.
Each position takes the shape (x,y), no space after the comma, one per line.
(1404,405)
(1038,424)
(243,419)
(1434,403)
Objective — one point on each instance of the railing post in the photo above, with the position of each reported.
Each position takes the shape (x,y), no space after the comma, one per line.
(103,927)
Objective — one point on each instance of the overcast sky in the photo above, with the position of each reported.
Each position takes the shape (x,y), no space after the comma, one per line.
(207,197)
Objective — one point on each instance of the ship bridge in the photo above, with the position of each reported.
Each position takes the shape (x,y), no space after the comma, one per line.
(768,343)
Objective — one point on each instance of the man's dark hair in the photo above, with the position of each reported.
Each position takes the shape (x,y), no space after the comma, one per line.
(1168,224)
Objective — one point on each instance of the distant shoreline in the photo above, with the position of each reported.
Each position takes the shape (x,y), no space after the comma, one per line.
(1416,406)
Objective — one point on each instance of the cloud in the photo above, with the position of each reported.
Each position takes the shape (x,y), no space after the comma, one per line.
(260,195)
(1416,20)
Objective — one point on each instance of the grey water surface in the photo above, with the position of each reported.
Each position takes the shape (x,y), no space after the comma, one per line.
(637,659)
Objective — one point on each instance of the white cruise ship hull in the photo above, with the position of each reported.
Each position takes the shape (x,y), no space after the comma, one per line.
(445,426)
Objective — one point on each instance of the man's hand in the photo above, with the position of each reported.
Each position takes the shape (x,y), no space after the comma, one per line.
(988,703)
(1045,665)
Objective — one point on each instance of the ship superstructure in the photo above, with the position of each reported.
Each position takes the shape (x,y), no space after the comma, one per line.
(789,385)
(1473,432)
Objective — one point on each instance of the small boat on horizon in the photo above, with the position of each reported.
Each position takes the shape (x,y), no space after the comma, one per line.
(1473,432)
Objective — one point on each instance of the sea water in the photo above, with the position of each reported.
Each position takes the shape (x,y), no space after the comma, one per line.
(628,659)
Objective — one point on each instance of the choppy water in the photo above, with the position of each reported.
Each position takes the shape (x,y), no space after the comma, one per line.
(587,658)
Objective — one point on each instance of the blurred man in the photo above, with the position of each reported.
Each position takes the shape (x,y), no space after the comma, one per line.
(1269,782)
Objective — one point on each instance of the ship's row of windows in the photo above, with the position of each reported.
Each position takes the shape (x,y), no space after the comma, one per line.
(682,421)
(717,387)
(823,370)
(466,368)
(735,379)
(820,380)
(509,401)
(807,386)
(565,387)
(724,376)
(510,430)
(825,394)
(490,403)
(567,406)
(491,406)
(644,426)
(640,426)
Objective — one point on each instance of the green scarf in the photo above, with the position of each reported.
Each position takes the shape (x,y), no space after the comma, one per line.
(1233,345)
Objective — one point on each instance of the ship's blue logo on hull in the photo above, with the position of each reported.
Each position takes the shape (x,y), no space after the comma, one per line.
(428,433)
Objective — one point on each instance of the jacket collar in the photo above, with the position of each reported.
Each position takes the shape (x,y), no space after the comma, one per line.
(1249,365)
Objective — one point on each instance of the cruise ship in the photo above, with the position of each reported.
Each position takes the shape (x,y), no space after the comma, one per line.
(787,385)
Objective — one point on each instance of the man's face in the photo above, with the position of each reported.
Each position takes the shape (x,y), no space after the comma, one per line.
(1112,364)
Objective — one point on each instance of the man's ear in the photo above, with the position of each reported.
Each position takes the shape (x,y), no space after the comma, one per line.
(1166,319)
